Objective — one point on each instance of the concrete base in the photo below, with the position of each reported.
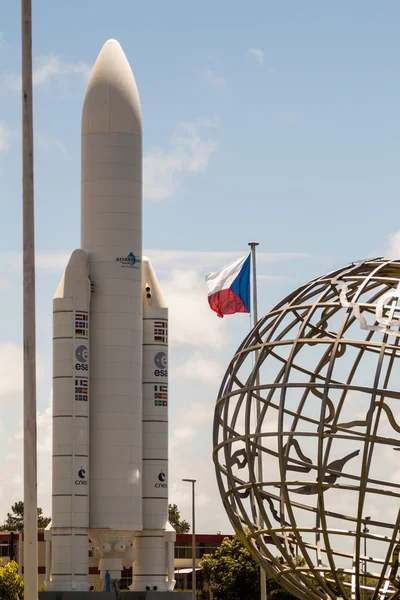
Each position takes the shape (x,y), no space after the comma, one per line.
(58,587)
(111,595)
(76,595)
(155,596)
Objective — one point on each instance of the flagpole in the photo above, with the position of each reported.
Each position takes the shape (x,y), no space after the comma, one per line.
(30,451)
(253,245)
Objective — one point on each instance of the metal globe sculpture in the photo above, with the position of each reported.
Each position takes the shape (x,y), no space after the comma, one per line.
(307,434)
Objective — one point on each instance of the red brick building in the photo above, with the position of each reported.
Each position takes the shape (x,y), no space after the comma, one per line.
(11,548)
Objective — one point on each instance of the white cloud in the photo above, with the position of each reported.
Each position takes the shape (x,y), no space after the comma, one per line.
(181,435)
(189,152)
(213,78)
(201,412)
(11,365)
(12,463)
(192,323)
(5,284)
(393,246)
(48,143)
(272,277)
(187,460)
(12,261)
(190,451)
(196,262)
(52,260)
(44,425)
(10,370)
(201,260)
(4,136)
(47,68)
(184,434)
(258,55)
(201,368)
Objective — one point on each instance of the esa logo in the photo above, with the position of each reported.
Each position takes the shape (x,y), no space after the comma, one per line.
(161,478)
(82,477)
(161,362)
(81,355)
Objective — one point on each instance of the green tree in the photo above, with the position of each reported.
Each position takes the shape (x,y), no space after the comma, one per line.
(174,517)
(15,519)
(232,572)
(11,584)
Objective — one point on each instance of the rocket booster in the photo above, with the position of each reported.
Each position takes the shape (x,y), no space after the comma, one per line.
(110,393)
(70,499)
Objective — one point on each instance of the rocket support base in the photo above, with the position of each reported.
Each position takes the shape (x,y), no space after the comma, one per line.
(111,595)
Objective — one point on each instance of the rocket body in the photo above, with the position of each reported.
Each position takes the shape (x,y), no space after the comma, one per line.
(112,239)
(124,507)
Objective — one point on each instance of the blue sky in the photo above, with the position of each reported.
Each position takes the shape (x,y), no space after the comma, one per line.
(269,121)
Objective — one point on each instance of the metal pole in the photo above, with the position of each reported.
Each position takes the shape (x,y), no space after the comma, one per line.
(193,481)
(30,452)
(194,583)
(365,560)
(365,531)
(253,245)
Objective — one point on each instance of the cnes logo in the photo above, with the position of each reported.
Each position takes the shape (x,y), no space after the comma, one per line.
(82,477)
(161,478)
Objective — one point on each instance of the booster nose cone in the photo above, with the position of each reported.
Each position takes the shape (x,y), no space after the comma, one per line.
(112,103)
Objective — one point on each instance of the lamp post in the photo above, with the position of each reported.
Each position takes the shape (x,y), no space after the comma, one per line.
(365,531)
(193,481)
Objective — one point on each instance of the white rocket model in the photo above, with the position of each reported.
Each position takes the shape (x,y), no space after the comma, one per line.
(110,389)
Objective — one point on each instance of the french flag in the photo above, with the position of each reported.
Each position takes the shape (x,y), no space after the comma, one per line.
(229,288)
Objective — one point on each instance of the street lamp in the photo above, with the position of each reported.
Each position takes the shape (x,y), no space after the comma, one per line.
(365,531)
(193,481)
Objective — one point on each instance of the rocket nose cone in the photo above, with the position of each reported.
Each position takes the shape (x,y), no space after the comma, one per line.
(112,101)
